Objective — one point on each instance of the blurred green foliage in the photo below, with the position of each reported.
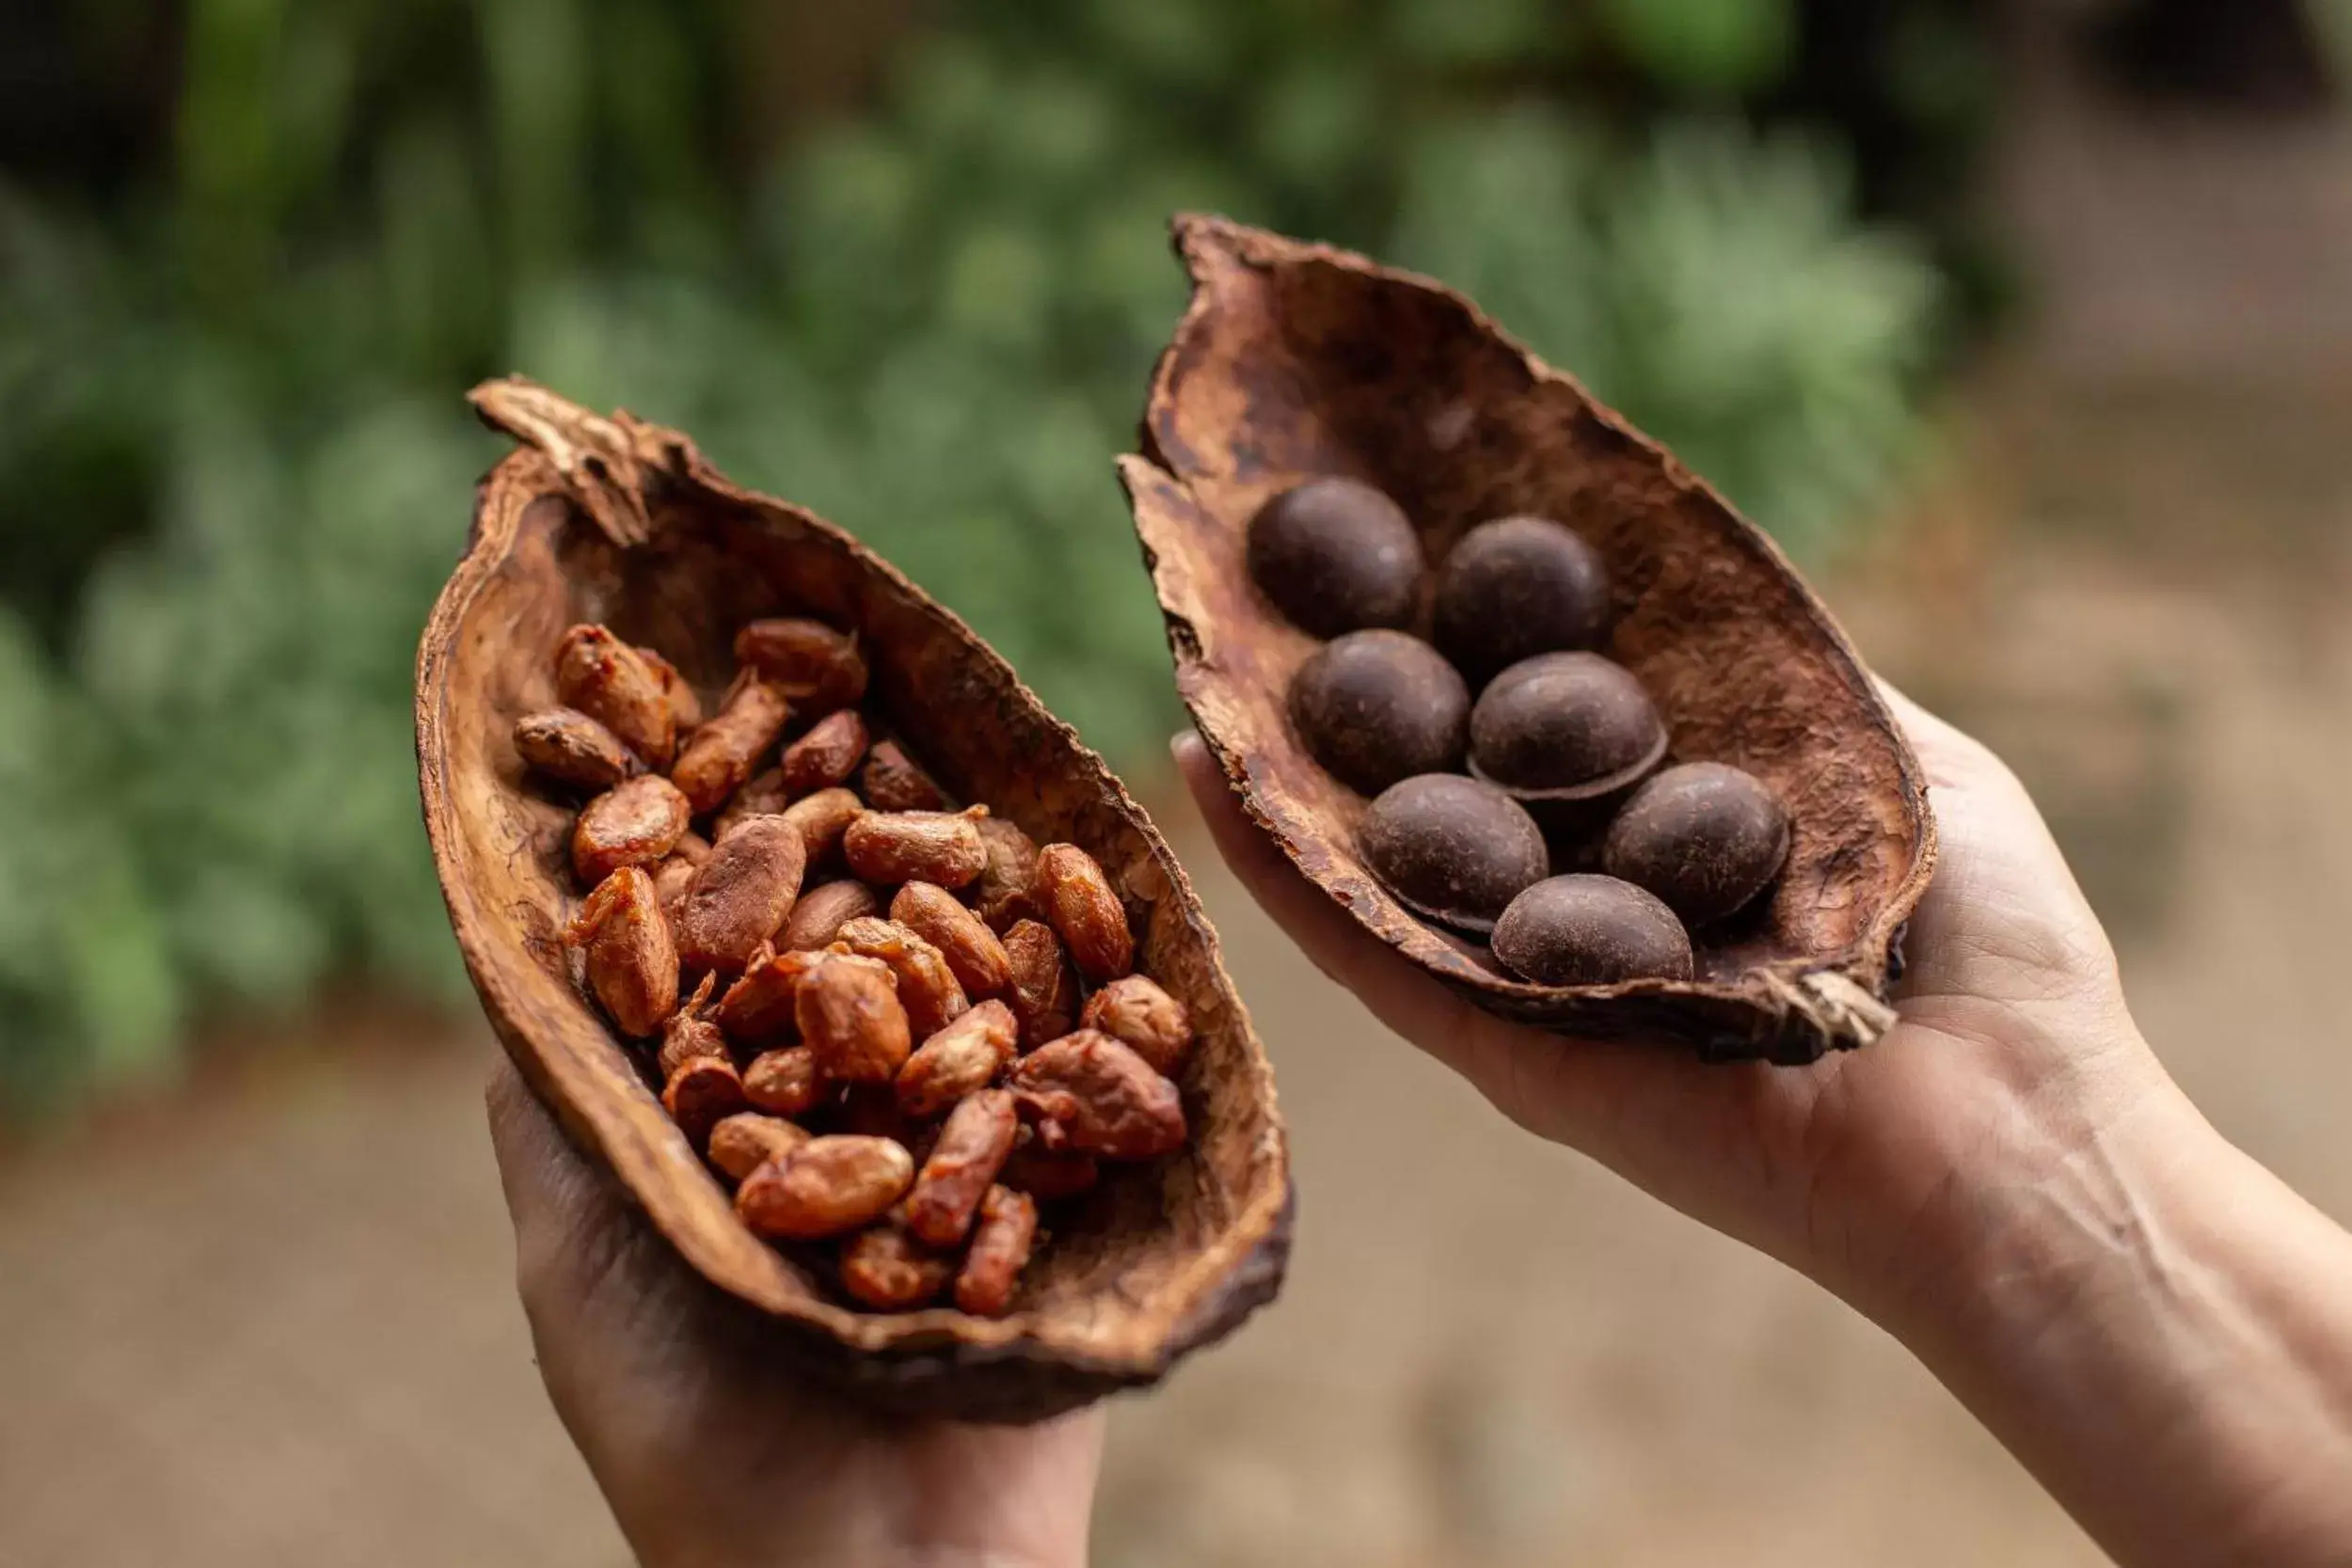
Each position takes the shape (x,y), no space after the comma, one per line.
(2331,19)
(234,466)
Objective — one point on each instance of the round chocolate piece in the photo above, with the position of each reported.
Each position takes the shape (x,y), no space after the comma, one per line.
(1376,707)
(1515,588)
(1705,837)
(1588,930)
(1452,849)
(1565,725)
(1336,555)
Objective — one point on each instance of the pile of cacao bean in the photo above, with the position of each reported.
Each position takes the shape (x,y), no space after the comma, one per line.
(1502,748)
(897,1027)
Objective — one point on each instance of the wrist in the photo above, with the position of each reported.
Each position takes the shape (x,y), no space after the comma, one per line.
(2073,1223)
(2148,1327)
(855,1528)
(879,1493)
(2016,1136)
(850,1543)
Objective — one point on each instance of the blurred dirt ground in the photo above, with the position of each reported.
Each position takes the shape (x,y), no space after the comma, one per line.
(270,1321)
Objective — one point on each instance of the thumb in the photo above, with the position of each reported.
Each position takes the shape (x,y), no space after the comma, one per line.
(2004,919)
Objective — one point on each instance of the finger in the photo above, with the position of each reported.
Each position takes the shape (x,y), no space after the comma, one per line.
(1610,1099)
(1400,995)
(2004,903)
(1953,758)
(1573,1091)
(544,1179)
(521,1133)
(570,1227)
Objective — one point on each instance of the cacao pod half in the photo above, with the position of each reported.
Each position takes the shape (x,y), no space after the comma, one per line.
(1295,361)
(624,523)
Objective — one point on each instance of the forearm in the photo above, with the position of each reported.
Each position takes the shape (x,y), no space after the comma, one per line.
(2161,1331)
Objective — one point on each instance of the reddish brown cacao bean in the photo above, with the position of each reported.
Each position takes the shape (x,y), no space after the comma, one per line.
(891,1271)
(686,707)
(971,1146)
(829,1186)
(610,681)
(1085,912)
(718,757)
(1089,1093)
(851,1018)
(1007,888)
(757,1009)
(636,822)
(823,818)
(689,1033)
(567,746)
(928,989)
(742,1143)
(630,961)
(973,951)
(1000,1250)
(1042,993)
(889,847)
(1136,1011)
(741,895)
(963,1057)
(702,1092)
(893,781)
(818,668)
(827,754)
(785,1082)
(817,919)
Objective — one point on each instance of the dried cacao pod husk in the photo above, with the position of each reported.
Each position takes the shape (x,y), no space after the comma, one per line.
(1296,360)
(616,522)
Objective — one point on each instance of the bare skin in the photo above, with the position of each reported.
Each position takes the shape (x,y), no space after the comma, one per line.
(713,1455)
(2158,1328)
(2009,1182)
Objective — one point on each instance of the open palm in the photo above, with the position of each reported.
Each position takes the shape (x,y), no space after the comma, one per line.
(2011,1030)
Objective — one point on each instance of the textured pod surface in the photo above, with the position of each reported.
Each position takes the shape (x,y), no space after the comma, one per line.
(1296,360)
(612,521)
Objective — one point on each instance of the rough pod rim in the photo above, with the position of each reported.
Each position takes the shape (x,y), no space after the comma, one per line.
(1294,358)
(630,518)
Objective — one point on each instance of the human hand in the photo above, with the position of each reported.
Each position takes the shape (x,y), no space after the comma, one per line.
(2008,1181)
(713,1455)
(2013,1052)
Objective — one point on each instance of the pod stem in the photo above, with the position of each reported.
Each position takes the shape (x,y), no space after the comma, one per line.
(608,464)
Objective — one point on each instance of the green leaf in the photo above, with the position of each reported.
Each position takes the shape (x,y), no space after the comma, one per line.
(1477,32)
(998,287)
(1315,119)
(234,467)
(1704,47)
(538,57)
